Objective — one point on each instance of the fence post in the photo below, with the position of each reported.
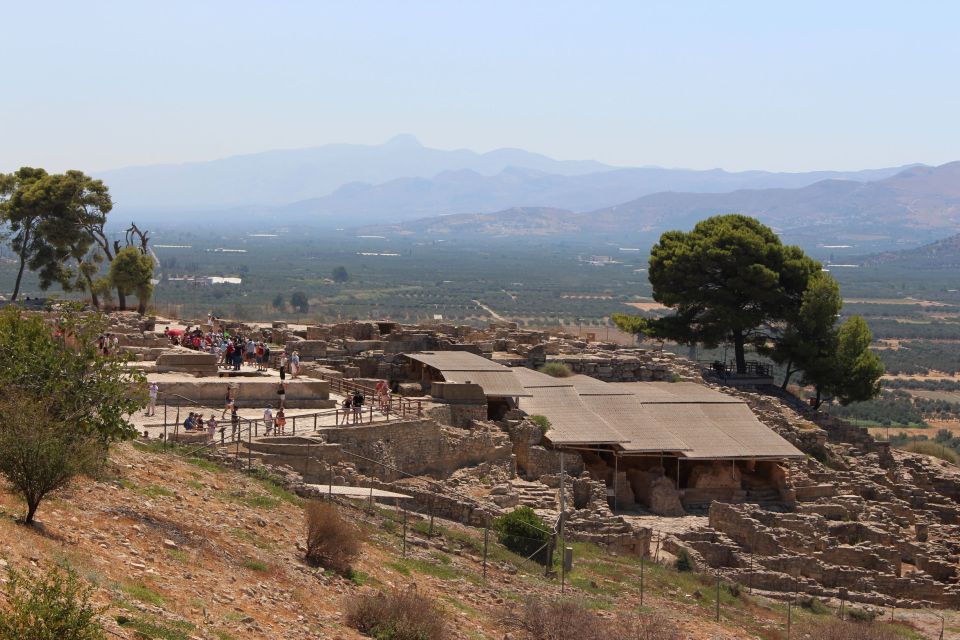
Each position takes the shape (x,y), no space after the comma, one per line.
(306,464)
(370,504)
(419,408)
(371,414)
(164,413)
(249,449)
(164,435)
(486,536)
(336,417)
(223,437)
(314,422)
(718,596)
(641,579)
(404,532)
(294,421)
(330,485)
(432,497)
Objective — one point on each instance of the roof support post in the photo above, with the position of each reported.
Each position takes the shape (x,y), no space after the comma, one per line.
(616,472)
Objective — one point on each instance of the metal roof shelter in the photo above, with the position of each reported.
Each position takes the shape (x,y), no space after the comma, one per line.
(680,419)
(495,379)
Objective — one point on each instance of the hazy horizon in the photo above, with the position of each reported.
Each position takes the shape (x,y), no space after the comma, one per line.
(107,84)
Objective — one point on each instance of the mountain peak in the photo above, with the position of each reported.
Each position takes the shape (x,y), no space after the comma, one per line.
(403,141)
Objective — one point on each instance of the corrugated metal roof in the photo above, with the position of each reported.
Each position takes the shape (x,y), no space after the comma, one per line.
(462,366)
(533,379)
(640,430)
(570,421)
(493,383)
(650,417)
(586,385)
(456,361)
(673,392)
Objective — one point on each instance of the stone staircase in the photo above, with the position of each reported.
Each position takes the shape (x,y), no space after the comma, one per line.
(535,495)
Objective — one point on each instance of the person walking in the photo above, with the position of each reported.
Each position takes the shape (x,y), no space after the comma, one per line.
(212,427)
(283,366)
(281,421)
(346,405)
(267,420)
(295,364)
(153,392)
(234,422)
(229,401)
(357,407)
(282,394)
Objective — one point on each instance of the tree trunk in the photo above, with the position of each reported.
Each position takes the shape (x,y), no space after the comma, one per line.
(16,287)
(786,376)
(819,399)
(142,305)
(121,299)
(31,510)
(94,300)
(738,351)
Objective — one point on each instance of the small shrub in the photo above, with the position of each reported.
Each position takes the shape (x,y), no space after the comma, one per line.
(523,532)
(543,619)
(332,542)
(861,615)
(814,606)
(651,626)
(556,369)
(837,630)
(541,421)
(684,561)
(256,565)
(399,614)
(52,605)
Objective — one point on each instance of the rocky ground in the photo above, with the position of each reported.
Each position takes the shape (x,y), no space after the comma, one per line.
(187,549)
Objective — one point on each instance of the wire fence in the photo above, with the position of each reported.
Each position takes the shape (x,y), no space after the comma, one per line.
(422,518)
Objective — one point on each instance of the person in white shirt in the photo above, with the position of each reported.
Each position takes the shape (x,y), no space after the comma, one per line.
(268,420)
(153,391)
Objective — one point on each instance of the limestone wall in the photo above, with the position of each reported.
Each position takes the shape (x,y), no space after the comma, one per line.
(418,447)
(251,393)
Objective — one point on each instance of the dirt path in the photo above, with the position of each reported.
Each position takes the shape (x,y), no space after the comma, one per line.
(496,316)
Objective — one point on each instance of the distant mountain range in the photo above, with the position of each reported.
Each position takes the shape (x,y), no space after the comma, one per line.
(402,179)
(915,204)
(280,177)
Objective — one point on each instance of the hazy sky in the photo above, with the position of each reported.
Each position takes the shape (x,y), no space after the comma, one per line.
(773,85)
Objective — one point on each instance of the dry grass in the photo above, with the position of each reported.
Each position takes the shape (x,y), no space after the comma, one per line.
(542,619)
(935,449)
(332,542)
(399,614)
(837,630)
(567,619)
(652,626)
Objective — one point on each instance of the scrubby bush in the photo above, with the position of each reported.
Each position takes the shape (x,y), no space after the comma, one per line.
(837,630)
(684,561)
(556,369)
(523,532)
(332,542)
(39,453)
(566,619)
(399,614)
(651,626)
(52,606)
(541,421)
